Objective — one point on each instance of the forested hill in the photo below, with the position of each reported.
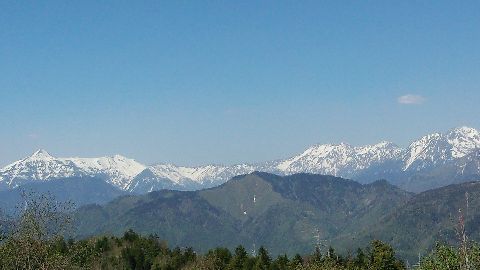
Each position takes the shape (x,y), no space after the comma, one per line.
(430,217)
(285,214)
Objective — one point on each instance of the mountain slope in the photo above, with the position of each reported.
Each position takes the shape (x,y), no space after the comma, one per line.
(464,169)
(430,217)
(257,208)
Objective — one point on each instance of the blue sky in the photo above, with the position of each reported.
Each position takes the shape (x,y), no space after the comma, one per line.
(195,82)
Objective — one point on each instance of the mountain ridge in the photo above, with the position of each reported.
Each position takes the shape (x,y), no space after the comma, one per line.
(411,167)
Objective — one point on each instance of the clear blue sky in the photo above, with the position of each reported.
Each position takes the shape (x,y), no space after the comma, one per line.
(195,82)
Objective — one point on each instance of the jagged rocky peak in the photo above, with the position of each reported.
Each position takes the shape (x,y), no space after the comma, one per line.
(463,141)
(437,148)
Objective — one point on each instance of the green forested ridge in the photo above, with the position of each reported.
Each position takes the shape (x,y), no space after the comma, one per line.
(287,215)
(283,214)
(432,216)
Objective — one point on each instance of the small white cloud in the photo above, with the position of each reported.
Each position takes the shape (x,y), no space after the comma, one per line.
(411,99)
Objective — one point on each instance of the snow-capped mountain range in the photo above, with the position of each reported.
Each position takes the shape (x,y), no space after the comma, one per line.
(406,167)
(41,166)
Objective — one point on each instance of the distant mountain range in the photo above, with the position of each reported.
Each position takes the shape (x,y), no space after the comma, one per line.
(77,191)
(434,160)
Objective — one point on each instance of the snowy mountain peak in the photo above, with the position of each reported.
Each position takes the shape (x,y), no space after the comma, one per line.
(41,166)
(40,154)
(464,130)
(439,148)
(463,140)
